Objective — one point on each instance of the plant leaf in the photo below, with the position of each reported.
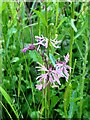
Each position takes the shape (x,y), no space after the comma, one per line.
(35,56)
(61,22)
(73,25)
(54,101)
(72,105)
(67,96)
(9,101)
(40,15)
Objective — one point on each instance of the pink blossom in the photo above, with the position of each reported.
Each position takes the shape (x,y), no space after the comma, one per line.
(64,68)
(55,42)
(41,41)
(50,76)
(29,47)
(66,58)
(39,87)
(24,49)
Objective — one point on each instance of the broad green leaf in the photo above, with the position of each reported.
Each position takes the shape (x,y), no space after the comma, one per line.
(52,59)
(73,25)
(54,101)
(11,31)
(34,114)
(9,101)
(35,56)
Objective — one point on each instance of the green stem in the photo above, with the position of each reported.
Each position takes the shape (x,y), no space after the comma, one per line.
(1,58)
(31,84)
(46,17)
(84,66)
(57,13)
(83,78)
(72,36)
(39,27)
(47,90)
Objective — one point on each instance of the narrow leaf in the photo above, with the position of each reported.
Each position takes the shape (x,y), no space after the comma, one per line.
(73,25)
(40,15)
(9,101)
(61,22)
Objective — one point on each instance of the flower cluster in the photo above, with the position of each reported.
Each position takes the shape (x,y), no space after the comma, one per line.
(53,74)
(41,41)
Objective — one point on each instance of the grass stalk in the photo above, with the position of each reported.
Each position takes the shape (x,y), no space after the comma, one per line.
(46,29)
(83,77)
(0,58)
(72,36)
(31,84)
(85,63)
(47,90)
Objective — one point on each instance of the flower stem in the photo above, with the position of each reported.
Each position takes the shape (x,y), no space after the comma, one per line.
(46,89)
(72,36)
(84,65)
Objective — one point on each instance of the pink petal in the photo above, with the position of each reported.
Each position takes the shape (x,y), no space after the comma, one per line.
(66,58)
(39,87)
(24,49)
(66,74)
(56,78)
(45,85)
(51,79)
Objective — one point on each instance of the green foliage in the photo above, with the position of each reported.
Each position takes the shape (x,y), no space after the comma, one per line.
(20,23)
(9,101)
(35,56)
(67,96)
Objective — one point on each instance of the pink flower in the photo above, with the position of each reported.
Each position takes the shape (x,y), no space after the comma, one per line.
(53,74)
(66,58)
(30,47)
(41,41)
(64,68)
(50,76)
(24,49)
(39,87)
(55,43)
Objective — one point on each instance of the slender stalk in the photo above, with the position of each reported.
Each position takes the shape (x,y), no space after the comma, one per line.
(46,17)
(89,58)
(83,78)
(0,58)
(39,27)
(72,36)
(47,90)
(31,85)
(0,80)
(57,14)
(84,64)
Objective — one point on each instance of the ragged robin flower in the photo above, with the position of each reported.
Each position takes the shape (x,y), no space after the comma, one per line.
(52,75)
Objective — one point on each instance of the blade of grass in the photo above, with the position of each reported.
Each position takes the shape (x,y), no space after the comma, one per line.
(6,110)
(9,101)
